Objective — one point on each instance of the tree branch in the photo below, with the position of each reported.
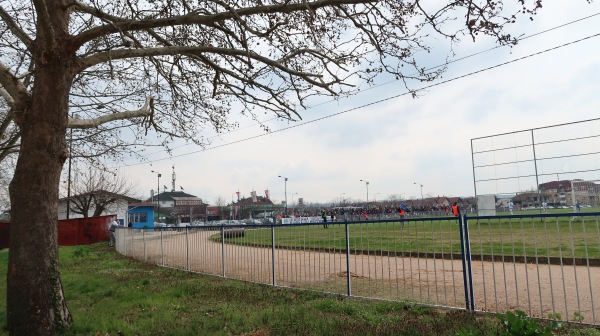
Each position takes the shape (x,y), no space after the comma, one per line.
(135,53)
(81,7)
(12,87)
(46,26)
(207,20)
(9,147)
(146,110)
(15,29)
(9,99)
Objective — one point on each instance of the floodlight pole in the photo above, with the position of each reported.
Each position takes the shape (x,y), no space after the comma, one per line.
(367,184)
(293,204)
(285,191)
(421,191)
(157,194)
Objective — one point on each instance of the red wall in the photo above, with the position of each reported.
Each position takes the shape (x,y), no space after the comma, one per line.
(78,231)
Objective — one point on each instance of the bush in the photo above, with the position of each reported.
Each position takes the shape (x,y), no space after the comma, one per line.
(518,324)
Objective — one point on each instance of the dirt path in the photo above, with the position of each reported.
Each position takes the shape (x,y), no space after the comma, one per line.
(538,289)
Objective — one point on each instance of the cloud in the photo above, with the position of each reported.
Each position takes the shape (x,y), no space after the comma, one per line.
(427,140)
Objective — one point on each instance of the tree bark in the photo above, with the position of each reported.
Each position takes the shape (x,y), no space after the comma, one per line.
(35,299)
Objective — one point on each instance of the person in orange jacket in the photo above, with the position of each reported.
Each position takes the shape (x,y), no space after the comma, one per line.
(455,209)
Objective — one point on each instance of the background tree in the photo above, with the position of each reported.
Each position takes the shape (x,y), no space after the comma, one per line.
(220,201)
(396,197)
(96,191)
(170,68)
(7,168)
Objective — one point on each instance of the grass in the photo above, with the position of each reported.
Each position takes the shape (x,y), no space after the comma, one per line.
(109,294)
(554,237)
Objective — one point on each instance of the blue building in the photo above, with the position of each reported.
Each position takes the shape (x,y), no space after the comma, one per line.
(141,215)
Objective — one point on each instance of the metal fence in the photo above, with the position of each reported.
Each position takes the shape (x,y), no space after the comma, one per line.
(545,265)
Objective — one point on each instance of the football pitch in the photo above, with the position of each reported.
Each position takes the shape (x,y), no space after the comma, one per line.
(558,237)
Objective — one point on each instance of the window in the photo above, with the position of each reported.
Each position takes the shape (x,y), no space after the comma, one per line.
(138,217)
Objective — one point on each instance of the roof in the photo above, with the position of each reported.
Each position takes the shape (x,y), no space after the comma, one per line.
(564,185)
(137,204)
(193,198)
(168,196)
(526,196)
(260,200)
(119,196)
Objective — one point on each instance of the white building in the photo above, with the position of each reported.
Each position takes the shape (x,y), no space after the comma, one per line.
(115,205)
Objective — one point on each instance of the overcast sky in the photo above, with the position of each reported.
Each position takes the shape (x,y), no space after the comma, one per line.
(401,141)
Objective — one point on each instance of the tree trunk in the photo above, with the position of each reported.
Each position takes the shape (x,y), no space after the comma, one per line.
(35,300)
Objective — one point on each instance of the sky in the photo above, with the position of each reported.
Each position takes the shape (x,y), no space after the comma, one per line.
(398,144)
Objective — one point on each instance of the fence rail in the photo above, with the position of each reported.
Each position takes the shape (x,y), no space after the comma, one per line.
(544,265)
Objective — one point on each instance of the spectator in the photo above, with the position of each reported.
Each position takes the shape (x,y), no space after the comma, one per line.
(455,209)
(402,211)
(111,233)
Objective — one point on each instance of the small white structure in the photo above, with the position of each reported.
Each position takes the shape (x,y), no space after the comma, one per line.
(486,205)
(119,208)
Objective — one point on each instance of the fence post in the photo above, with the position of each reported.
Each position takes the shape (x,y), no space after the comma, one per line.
(126,236)
(187,248)
(144,243)
(162,249)
(348,277)
(222,251)
(464,261)
(273,253)
(469,265)
(116,233)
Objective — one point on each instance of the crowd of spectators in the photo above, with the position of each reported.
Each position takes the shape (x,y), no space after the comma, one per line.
(387,210)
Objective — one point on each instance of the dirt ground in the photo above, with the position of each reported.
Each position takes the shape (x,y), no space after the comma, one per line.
(537,289)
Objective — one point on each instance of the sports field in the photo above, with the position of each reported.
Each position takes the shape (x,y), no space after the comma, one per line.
(559,237)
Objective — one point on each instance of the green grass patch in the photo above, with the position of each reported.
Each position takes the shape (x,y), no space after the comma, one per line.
(564,237)
(109,294)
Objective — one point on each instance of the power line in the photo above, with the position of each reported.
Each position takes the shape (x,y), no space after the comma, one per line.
(375,102)
(393,81)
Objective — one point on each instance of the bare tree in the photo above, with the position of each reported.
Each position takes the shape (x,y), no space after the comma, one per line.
(172,68)
(220,201)
(97,191)
(7,167)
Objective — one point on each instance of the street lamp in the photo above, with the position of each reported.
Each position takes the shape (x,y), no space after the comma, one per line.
(421,191)
(285,190)
(157,194)
(367,184)
(231,215)
(341,197)
(294,204)
(375,197)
